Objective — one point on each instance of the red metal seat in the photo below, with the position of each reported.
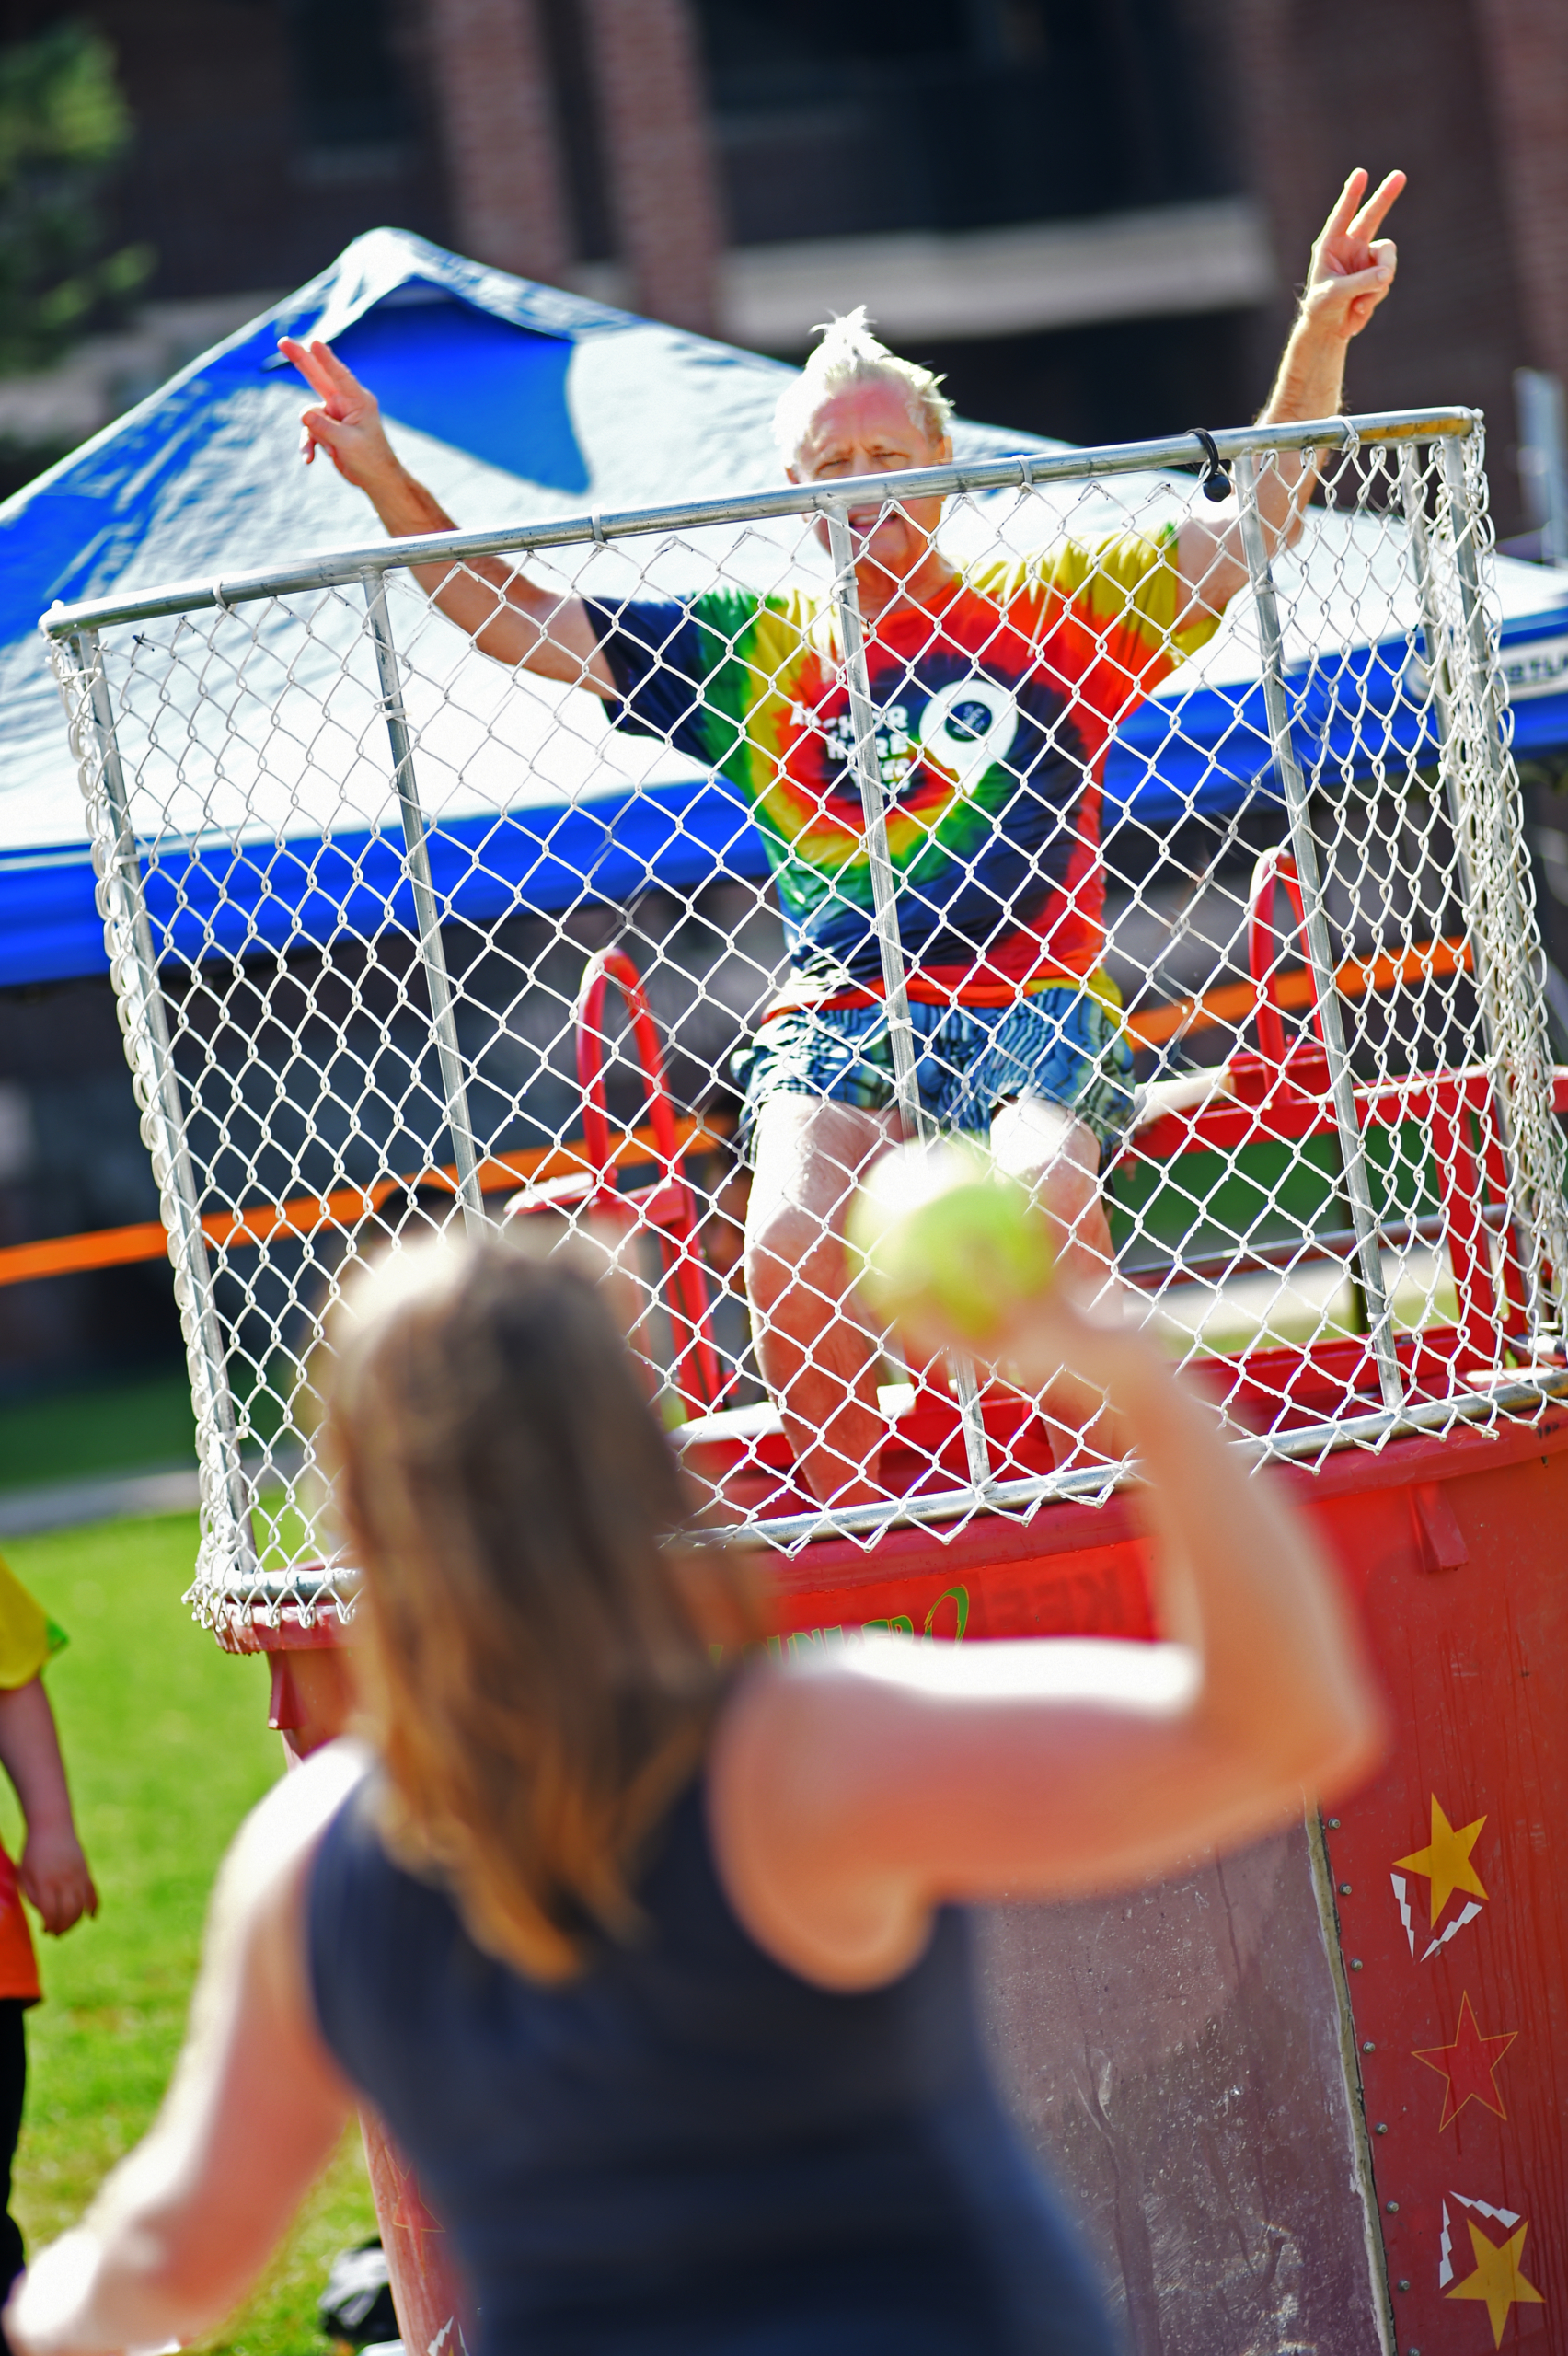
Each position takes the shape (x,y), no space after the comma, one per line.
(665,1208)
(1280,1091)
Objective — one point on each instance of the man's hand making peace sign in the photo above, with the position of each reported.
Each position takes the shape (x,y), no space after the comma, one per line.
(1352,268)
(1351,271)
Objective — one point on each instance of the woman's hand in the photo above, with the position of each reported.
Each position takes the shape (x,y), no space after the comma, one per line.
(959,1257)
(1092,1357)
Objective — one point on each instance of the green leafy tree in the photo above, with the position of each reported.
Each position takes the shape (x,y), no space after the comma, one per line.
(63,125)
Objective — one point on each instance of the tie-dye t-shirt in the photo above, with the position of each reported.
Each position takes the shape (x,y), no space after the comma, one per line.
(995,710)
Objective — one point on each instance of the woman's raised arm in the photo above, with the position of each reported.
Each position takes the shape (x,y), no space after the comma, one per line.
(850,1798)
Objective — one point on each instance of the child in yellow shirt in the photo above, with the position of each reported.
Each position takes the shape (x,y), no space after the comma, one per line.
(52,1872)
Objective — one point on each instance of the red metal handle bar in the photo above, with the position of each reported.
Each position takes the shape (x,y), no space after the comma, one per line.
(696,1371)
(1274,868)
(605,966)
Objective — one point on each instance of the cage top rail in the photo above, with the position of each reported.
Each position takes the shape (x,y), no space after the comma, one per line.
(1026,470)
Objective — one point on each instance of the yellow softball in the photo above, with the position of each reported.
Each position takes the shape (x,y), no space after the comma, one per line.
(943,1246)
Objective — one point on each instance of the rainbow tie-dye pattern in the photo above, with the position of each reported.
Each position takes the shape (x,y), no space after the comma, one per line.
(995,714)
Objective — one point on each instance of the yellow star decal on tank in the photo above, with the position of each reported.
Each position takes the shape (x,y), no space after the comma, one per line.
(1446,1860)
(1497,2279)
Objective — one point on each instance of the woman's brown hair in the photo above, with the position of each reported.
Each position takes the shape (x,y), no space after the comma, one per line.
(537,1682)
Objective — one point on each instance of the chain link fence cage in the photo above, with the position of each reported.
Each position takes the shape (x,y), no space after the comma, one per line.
(402,935)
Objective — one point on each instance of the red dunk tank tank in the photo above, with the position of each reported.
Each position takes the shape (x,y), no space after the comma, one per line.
(401,939)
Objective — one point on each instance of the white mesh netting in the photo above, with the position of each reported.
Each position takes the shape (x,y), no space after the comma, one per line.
(379,909)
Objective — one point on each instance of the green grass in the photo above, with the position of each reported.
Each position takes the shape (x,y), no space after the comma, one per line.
(111,1427)
(166,1744)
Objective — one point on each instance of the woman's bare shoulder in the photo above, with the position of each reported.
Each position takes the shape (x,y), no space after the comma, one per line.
(282,1829)
(787,1801)
(849,1793)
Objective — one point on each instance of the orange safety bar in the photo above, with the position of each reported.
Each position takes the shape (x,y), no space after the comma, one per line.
(1233,1002)
(113,1247)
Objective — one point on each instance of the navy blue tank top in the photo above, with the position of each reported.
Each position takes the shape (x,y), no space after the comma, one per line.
(687,2150)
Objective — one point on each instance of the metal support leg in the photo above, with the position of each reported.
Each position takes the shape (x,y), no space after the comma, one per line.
(1320,955)
(1517,1044)
(1443,662)
(433,956)
(150,1053)
(885,908)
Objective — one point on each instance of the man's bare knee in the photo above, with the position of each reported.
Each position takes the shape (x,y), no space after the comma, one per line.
(1041,1143)
(809,1153)
(792,1251)
(1067,1191)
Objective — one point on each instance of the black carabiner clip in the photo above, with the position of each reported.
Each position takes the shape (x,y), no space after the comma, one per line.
(1214,480)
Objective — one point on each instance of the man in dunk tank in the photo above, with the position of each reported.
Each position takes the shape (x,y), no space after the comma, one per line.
(997,691)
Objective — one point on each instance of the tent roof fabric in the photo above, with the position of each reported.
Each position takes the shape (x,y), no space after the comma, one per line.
(513,401)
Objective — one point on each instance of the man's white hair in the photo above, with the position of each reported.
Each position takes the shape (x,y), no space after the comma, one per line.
(850,354)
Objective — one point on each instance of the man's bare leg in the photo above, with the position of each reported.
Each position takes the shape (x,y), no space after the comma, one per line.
(1058,1158)
(817,1356)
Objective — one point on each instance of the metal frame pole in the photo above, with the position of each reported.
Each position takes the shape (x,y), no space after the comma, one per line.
(1440,669)
(884,910)
(1320,956)
(433,956)
(1365,2180)
(150,1053)
(1517,1046)
(1413,500)
(1029,471)
(1442,666)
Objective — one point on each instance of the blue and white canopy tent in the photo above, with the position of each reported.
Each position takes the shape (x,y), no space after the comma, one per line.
(516,401)
(393,880)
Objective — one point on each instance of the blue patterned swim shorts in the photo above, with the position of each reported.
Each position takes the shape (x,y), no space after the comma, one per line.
(1064,1042)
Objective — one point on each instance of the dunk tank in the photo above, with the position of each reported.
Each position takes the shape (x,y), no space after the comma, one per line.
(403,938)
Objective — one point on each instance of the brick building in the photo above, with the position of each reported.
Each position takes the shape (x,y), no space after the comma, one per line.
(1090,218)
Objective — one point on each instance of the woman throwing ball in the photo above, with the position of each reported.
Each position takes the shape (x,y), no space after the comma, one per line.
(647,1948)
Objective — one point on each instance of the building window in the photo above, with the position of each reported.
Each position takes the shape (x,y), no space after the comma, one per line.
(348,86)
(842,118)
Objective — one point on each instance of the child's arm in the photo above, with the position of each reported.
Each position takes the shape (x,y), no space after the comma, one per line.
(54,1872)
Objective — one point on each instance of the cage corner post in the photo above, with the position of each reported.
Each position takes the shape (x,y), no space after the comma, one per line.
(225,1500)
(1320,954)
(1486,810)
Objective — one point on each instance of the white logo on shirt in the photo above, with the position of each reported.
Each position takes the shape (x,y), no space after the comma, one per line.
(964,729)
(968,727)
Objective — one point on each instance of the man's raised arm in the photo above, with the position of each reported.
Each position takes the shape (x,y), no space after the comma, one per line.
(509,617)
(1352,269)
